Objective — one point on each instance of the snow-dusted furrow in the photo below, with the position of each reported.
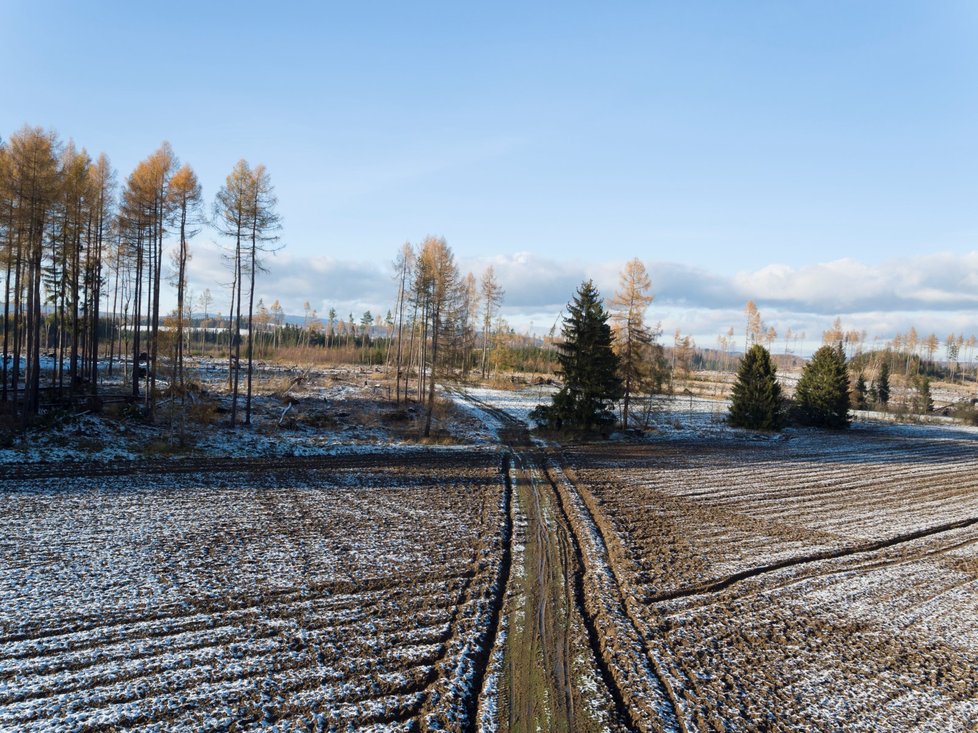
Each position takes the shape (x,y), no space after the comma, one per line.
(323,597)
(198,679)
(253,646)
(99,639)
(823,582)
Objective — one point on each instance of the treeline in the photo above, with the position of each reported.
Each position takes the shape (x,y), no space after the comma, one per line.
(610,359)
(909,354)
(73,246)
(442,324)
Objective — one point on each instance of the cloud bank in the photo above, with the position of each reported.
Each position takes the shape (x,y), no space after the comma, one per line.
(934,292)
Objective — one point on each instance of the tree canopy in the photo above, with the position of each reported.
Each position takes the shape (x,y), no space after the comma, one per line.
(881,385)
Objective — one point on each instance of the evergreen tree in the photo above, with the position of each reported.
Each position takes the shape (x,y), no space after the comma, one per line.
(588,365)
(921,402)
(881,385)
(859,393)
(822,395)
(756,399)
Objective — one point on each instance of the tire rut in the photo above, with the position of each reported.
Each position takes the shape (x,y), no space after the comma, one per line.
(720,584)
(670,713)
(203,464)
(573,557)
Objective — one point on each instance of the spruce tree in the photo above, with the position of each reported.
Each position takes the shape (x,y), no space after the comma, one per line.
(882,384)
(822,395)
(859,393)
(921,402)
(588,365)
(756,399)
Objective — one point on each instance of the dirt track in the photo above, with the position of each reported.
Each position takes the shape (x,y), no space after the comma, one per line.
(554,677)
(574,659)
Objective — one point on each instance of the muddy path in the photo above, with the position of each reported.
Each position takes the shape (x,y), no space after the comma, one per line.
(558,665)
(551,677)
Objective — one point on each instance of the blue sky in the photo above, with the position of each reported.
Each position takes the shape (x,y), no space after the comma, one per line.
(715,139)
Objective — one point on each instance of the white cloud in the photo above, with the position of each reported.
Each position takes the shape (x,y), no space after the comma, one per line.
(831,284)
(941,281)
(534,282)
(935,292)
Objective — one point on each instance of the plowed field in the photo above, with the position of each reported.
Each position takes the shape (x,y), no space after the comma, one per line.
(817,582)
(358,591)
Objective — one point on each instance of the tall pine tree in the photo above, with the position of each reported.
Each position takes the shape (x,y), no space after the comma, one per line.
(588,365)
(756,398)
(859,393)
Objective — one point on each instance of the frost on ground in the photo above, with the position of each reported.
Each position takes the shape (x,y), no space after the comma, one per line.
(516,403)
(295,412)
(804,581)
(823,581)
(669,416)
(314,598)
